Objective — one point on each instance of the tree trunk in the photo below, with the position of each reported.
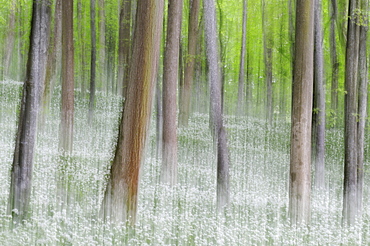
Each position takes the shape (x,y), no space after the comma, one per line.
(102,46)
(318,117)
(67,107)
(186,88)
(53,61)
(93,61)
(120,200)
(300,152)
(218,129)
(170,80)
(241,84)
(124,41)
(351,114)
(267,58)
(362,105)
(21,173)
(334,59)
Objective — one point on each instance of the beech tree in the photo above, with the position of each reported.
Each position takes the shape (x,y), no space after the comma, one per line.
(120,199)
(67,105)
(170,80)
(214,80)
(21,173)
(93,60)
(186,87)
(300,150)
(241,83)
(351,116)
(318,117)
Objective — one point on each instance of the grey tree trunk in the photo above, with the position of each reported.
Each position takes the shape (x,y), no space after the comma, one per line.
(170,81)
(241,84)
(21,173)
(67,107)
(218,129)
(124,41)
(300,151)
(120,200)
(93,61)
(334,59)
(186,87)
(362,105)
(351,114)
(53,62)
(318,117)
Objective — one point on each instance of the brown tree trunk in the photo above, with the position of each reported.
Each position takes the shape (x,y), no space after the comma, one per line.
(67,107)
(93,61)
(170,80)
(186,88)
(120,200)
(351,114)
(214,78)
(21,173)
(241,84)
(300,152)
(318,117)
(124,41)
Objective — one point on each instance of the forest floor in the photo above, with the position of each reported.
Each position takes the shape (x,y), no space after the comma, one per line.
(68,190)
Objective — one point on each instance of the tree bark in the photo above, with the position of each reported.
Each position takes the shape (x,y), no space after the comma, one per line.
(53,62)
(170,80)
(351,116)
(102,46)
(93,61)
(67,107)
(21,173)
(120,200)
(186,88)
(124,41)
(218,129)
(300,152)
(334,58)
(267,59)
(318,117)
(241,84)
(362,105)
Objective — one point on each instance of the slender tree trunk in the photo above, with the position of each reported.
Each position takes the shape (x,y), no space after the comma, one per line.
(216,111)
(170,80)
(93,61)
(362,105)
(67,107)
(124,41)
(267,58)
(120,200)
(21,173)
(300,152)
(241,84)
(351,114)
(334,59)
(318,117)
(53,61)
(291,9)
(102,46)
(186,88)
